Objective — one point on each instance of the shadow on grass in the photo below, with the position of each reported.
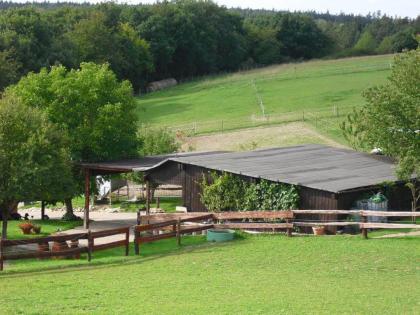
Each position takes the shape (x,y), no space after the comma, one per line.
(108,258)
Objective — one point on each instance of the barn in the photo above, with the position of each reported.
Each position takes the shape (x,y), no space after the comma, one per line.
(327,177)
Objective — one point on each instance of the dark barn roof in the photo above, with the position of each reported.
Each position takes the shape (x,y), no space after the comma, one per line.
(138,165)
(315,166)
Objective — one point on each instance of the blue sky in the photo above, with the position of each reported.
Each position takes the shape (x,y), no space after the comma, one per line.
(409,8)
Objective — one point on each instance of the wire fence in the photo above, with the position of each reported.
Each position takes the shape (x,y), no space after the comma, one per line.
(320,117)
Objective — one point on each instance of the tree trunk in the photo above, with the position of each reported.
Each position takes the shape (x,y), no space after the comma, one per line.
(4,224)
(4,208)
(69,206)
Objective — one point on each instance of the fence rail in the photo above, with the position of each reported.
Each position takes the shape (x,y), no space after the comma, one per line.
(40,248)
(175,225)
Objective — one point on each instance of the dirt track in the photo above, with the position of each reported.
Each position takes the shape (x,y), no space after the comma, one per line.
(262,137)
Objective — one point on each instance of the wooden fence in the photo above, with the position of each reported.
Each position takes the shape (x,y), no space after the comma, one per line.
(170,228)
(262,220)
(162,226)
(60,248)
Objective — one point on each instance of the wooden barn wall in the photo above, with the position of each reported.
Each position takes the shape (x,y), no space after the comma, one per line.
(169,173)
(189,177)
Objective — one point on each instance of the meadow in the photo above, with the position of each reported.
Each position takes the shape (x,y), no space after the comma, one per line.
(285,90)
(269,274)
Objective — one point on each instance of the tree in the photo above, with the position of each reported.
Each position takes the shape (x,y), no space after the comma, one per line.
(300,37)
(34,159)
(390,118)
(154,141)
(91,105)
(9,70)
(366,43)
(98,40)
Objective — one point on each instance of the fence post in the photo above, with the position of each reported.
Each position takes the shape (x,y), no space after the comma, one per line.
(178,232)
(138,218)
(90,245)
(222,126)
(127,241)
(364,230)
(1,254)
(303,115)
(289,230)
(136,241)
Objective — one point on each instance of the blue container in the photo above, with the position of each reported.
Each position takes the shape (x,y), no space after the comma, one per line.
(214,235)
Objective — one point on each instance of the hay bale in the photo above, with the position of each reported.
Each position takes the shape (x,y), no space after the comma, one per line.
(162,84)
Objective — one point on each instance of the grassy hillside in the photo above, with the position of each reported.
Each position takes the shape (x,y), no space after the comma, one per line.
(285,91)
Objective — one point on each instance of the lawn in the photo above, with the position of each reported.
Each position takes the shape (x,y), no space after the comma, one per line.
(253,275)
(47,227)
(310,86)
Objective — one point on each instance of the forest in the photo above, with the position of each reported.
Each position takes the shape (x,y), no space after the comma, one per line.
(184,39)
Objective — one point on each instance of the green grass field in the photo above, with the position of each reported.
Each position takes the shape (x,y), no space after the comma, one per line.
(47,227)
(253,275)
(309,86)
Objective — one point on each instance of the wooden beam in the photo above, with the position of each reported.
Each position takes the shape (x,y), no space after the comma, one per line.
(42,210)
(87,196)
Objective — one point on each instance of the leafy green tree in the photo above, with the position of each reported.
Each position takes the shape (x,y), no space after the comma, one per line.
(366,43)
(264,48)
(34,158)
(155,141)
(9,70)
(91,105)
(94,39)
(404,40)
(300,37)
(390,118)
(27,33)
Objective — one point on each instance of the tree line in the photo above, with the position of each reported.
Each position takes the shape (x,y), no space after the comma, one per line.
(184,38)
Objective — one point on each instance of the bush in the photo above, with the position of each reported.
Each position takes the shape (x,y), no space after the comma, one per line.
(230,192)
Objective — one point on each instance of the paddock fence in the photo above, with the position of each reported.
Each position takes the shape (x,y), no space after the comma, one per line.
(316,116)
(63,246)
(160,226)
(284,220)
(174,228)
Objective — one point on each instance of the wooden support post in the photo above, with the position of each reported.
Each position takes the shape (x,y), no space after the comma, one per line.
(157,202)
(289,230)
(1,254)
(136,242)
(138,218)
(147,197)
(90,245)
(87,196)
(42,210)
(364,230)
(127,242)
(178,232)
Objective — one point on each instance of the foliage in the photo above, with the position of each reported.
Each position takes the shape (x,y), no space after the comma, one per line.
(183,38)
(34,156)
(390,118)
(120,45)
(8,70)
(155,141)
(230,192)
(300,37)
(366,43)
(90,104)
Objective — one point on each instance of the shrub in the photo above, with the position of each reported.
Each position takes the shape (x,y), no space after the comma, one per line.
(230,192)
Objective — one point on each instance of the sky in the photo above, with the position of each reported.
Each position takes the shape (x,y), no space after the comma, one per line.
(410,8)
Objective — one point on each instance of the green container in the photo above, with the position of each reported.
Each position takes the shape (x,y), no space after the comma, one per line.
(214,235)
